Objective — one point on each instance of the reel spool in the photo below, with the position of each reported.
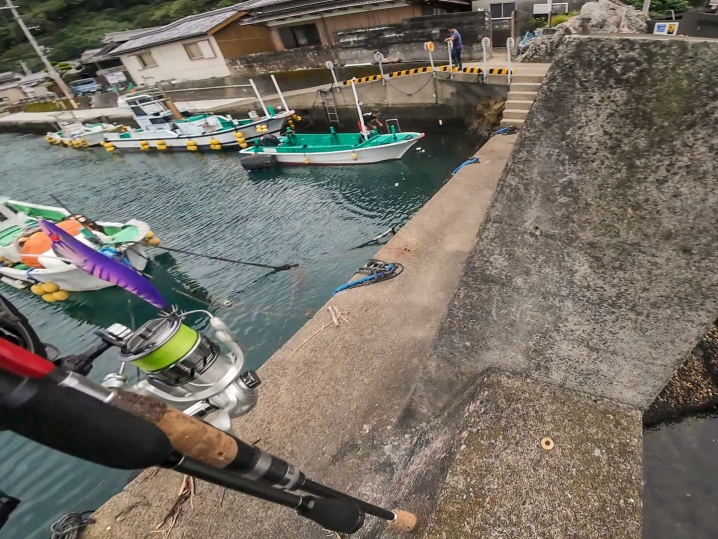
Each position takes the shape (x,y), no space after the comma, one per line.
(185,369)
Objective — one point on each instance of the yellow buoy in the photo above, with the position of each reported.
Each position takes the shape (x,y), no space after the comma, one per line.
(243,145)
(110,147)
(50,298)
(37,289)
(306,160)
(149,235)
(153,242)
(49,288)
(355,156)
(60,295)
(297,118)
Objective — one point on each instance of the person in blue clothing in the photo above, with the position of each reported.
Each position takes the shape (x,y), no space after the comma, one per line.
(456,50)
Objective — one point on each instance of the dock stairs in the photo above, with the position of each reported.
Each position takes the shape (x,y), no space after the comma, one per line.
(522,94)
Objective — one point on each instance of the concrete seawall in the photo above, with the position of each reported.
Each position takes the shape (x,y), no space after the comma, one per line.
(332,405)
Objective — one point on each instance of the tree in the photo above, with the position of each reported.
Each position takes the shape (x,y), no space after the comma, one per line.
(660,7)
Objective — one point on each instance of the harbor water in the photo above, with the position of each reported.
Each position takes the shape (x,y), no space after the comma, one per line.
(680,494)
(208,204)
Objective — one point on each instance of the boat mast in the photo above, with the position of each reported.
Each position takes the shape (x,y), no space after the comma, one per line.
(261,101)
(281,95)
(361,117)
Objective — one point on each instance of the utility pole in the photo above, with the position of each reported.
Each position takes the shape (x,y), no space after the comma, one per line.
(50,68)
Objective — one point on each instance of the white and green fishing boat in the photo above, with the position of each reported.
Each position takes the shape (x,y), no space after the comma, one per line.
(161,127)
(27,258)
(77,134)
(328,149)
(365,147)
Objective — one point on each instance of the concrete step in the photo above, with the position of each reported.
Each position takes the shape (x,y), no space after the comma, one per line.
(518,104)
(507,122)
(521,96)
(513,114)
(524,86)
(530,79)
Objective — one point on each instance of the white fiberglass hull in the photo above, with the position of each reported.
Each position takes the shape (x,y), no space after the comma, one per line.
(175,140)
(364,156)
(72,278)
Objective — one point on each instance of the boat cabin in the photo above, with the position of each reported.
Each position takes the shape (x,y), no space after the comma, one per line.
(150,113)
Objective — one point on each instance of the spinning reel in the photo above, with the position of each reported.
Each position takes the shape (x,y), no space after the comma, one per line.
(185,369)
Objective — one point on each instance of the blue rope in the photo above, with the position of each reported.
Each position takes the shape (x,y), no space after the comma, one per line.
(467,162)
(373,277)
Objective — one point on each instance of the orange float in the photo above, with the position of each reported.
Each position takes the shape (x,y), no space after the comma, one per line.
(40,243)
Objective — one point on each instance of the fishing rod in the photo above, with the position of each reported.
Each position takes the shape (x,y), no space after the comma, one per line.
(283,267)
(58,408)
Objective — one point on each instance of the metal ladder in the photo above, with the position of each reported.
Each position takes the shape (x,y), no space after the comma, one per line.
(330,106)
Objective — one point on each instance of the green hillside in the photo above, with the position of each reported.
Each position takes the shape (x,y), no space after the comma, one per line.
(68,27)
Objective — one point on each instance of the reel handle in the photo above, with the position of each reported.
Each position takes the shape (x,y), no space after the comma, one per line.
(223,333)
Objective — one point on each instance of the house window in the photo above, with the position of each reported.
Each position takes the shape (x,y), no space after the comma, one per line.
(300,36)
(199,50)
(502,11)
(146,60)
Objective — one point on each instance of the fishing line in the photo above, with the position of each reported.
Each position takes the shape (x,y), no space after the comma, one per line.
(283,267)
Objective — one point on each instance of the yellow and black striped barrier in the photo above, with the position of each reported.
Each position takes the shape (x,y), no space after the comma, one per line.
(410,72)
(499,71)
(370,78)
(417,70)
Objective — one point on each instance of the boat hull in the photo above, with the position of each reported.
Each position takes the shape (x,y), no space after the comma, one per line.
(72,278)
(90,139)
(364,156)
(176,141)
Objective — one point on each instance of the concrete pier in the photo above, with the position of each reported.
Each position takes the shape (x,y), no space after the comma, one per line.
(496,387)
(331,405)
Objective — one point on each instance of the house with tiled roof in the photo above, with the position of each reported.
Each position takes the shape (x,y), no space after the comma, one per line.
(192,48)
(299,23)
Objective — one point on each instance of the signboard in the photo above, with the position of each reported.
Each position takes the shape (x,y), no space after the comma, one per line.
(329,64)
(669,28)
(429,46)
(378,57)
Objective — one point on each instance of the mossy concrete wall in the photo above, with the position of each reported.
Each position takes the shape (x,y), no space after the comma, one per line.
(595,269)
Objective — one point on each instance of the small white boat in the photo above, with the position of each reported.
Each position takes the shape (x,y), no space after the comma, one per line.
(27,258)
(77,134)
(329,149)
(160,129)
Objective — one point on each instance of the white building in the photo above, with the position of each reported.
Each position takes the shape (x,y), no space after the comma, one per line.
(186,49)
